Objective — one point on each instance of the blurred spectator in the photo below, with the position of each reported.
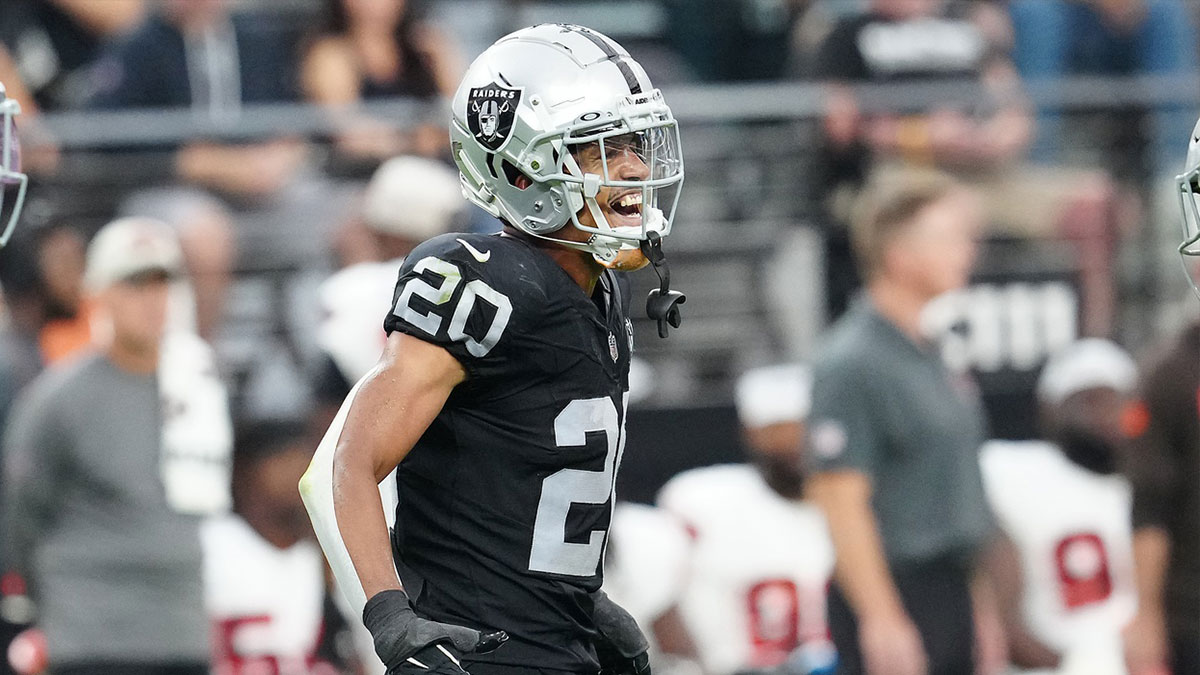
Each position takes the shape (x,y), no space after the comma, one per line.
(46,50)
(408,200)
(39,154)
(264,575)
(1166,513)
(1060,38)
(41,277)
(734,40)
(761,559)
(645,568)
(68,322)
(41,272)
(52,43)
(914,41)
(894,438)
(1064,569)
(193,54)
(372,49)
(982,139)
(109,463)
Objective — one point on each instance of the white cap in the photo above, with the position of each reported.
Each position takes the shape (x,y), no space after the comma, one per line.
(130,246)
(413,197)
(774,394)
(1086,364)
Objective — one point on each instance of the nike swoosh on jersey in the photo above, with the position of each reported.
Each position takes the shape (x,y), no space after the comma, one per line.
(475,253)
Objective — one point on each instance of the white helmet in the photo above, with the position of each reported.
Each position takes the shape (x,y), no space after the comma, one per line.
(541,92)
(12,182)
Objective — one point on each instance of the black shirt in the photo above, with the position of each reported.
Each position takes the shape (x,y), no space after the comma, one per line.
(505,501)
(238,61)
(1165,469)
(51,51)
(871,49)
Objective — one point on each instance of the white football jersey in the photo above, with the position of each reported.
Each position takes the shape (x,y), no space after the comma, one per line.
(1073,531)
(266,604)
(646,561)
(353,303)
(760,568)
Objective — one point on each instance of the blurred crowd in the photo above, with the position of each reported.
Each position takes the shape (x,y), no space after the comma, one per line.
(190,309)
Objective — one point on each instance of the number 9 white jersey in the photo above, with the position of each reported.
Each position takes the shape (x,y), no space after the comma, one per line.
(760,568)
(1072,529)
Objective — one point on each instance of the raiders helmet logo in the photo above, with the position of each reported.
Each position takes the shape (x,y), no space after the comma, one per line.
(490,114)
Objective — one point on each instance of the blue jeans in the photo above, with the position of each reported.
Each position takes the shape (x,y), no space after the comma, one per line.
(1060,38)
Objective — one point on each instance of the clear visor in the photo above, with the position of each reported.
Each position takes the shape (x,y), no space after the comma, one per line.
(1189,192)
(12,182)
(629,174)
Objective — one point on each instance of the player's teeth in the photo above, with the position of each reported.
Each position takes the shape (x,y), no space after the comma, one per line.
(630,200)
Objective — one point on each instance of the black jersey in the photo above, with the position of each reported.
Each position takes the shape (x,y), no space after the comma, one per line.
(505,500)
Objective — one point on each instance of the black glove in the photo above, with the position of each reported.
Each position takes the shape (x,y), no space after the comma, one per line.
(401,637)
(620,644)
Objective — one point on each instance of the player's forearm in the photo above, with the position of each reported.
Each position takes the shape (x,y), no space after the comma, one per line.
(861,568)
(1026,651)
(379,423)
(323,487)
(1002,567)
(1151,551)
(363,526)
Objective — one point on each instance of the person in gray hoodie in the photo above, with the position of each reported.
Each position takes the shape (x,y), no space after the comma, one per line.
(97,516)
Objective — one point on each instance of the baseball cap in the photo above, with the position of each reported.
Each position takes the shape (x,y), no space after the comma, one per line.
(1086,364)
(773,394)
(128,247)
(413,197)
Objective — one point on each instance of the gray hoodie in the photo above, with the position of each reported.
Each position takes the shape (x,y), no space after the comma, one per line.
(116,571)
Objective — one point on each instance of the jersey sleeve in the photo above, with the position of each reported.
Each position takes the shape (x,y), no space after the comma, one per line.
(844,430)
(455,294)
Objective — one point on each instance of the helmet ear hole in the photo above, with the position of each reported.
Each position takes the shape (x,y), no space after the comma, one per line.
(514,175)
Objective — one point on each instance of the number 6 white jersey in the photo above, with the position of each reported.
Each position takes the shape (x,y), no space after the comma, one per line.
(760,568)
(1072,529)
(505,501)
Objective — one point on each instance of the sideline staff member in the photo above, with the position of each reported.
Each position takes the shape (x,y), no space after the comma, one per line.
(895,440)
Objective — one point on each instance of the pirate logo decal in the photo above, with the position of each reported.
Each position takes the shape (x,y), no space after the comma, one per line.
(490,114)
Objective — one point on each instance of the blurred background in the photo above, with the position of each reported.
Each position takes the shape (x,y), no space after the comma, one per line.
(254,128)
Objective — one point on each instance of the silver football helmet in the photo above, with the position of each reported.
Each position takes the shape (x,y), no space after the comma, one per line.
(1188,190)
(525,109)
(12,182)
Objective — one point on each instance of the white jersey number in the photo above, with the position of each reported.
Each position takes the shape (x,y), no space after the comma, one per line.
(551,552)
(774,607)
(451,278)
(1083,570)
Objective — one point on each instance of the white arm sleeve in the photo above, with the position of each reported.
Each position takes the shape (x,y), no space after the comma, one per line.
(316,489)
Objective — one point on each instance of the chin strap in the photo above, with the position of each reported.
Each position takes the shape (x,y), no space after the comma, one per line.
(662,304)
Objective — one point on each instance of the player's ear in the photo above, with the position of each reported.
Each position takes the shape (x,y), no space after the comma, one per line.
(514,175)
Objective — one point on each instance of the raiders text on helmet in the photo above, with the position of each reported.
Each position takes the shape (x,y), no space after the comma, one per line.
(541,92)
(12,182)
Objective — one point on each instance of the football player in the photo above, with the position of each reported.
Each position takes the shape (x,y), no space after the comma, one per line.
(761,559)
(1188,192)
(12,181)
(501,391)
(1064,567)
(264,579)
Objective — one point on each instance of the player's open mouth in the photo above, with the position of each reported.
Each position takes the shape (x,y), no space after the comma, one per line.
(629,204)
